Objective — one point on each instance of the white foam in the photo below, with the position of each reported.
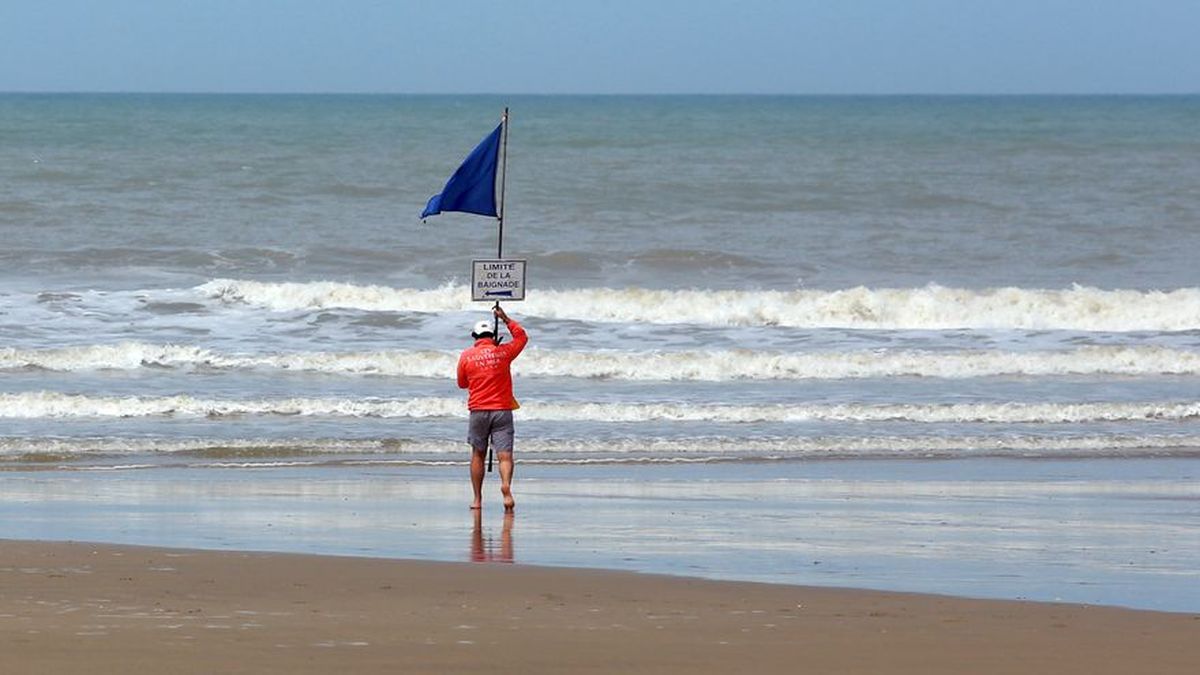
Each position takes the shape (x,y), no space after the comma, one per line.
(716,365)
(134,355)
(119,356)
(932,307)
(32,405)
(109,445)
(1008,413)
(270,453)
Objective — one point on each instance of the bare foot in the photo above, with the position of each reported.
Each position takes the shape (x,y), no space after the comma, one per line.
(476,505)
(509,502)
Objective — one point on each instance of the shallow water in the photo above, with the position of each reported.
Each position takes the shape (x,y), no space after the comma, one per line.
(1113,532)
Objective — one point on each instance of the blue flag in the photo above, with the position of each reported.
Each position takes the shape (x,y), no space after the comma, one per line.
(472,188)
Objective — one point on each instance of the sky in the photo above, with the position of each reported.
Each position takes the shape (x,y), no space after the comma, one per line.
(602,46)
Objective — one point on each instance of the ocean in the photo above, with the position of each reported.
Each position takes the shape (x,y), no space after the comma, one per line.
(192,283)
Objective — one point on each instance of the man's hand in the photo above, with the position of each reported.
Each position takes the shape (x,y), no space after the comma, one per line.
(500,313)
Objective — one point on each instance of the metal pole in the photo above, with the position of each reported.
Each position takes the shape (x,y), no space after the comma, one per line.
(503,181)
(500,222)
(500,234)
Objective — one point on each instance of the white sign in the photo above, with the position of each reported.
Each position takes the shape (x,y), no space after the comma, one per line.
(493,280)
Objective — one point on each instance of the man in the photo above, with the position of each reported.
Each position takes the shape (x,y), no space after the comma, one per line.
(483,370)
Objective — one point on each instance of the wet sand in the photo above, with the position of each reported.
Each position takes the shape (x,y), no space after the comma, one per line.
(73,607)
(1087,532)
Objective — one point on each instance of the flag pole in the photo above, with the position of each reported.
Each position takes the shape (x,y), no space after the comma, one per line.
(500,211)
(500,232)
(503,180)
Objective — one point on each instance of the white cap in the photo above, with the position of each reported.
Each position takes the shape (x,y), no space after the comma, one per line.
(482,328)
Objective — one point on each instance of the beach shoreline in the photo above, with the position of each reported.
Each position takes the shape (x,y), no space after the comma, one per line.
(1024,530)
(71,606)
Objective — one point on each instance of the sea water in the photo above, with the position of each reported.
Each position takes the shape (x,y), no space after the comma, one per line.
(190,282)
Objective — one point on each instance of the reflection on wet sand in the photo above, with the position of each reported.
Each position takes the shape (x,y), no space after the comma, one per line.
(484,549)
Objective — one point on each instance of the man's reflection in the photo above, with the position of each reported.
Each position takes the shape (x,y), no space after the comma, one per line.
(483,549)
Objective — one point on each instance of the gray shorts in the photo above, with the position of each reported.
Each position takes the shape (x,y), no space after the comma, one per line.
(494,424)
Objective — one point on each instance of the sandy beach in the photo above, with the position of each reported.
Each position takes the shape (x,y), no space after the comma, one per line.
(78,607)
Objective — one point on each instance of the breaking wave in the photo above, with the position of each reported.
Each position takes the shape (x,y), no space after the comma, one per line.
(717,365)
(60,405)
(932,307)
(259,452)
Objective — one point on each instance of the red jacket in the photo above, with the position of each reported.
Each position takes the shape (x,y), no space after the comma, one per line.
(484,370)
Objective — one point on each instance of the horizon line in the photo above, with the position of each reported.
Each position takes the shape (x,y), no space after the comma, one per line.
(181,92)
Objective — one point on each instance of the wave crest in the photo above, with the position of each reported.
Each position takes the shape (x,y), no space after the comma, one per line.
(930,308)
(59,405)
(430,451)
(712,366)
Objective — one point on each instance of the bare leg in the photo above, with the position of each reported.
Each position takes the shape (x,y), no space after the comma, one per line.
(477,469)
(506,475)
